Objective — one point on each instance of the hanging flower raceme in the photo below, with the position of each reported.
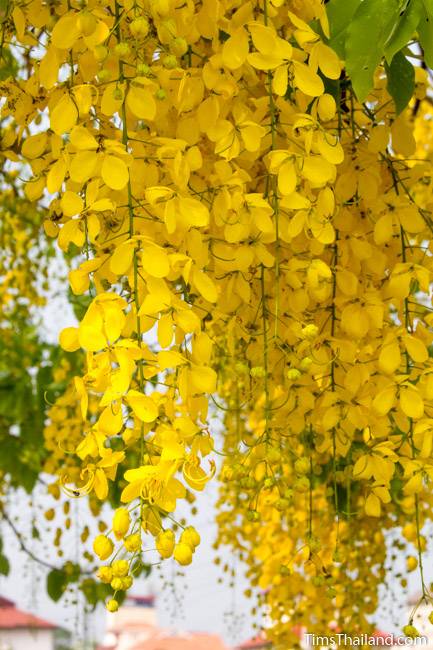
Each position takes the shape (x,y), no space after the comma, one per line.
(243,233)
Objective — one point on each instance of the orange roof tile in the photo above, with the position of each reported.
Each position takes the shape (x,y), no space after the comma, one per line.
(193,641)
(256,642)
(12,618)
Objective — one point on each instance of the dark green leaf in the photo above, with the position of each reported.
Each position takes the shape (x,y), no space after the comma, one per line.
(57,581)
(4,565)
(404,29)
(428,6)
(340,13)
(366,36)
(401,81)
(425,35)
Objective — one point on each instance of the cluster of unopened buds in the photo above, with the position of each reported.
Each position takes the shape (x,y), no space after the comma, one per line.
(118,574)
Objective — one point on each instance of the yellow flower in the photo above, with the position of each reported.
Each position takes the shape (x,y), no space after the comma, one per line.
(154,484)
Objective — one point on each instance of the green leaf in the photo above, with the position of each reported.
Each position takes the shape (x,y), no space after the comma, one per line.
(57,582)
(428,6)
(4,565)
(340,13)
(425,35)
(401,81)
(365,41)
(404,29)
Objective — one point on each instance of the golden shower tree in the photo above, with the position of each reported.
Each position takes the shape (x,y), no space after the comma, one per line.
(242,191)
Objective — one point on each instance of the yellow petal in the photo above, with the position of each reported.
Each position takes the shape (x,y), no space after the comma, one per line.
(383,229)
(114,172)
(235,49)
(68,339)
(203,379)
(65,32)
(287,178)
(71,204)
(194,212)
(280,80)
(141,103)
(329,147)
(79,281)
(170,359)
(307,80)
(155,261)
(264,38)
(91,338)
(411,403)
(416,349)
(384,401)
(83,166)
(34,146)
(111,419)
(56,176)
(81,138)
(328,61)
(205,286)
(64,115)
(143,406)
(372,506)
(389,358)
(165,330)
(264,61)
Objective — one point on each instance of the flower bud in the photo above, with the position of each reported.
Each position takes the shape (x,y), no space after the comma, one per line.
(165,543)
(411,563)
(105,574)
(121,522)
(258,371)
(169,62)
(120,568)
(112,605)
(302,465)
(191,537)
(117,584)
(309,332)
(179,46)
(410,631)
(122,49)
(183,554)
(103,547)
(139,27)
(133,543)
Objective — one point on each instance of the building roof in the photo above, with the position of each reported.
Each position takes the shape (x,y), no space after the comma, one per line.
(377,634)
(12,618)
(193,641)
(261,641)
(255,642)
(141,601)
